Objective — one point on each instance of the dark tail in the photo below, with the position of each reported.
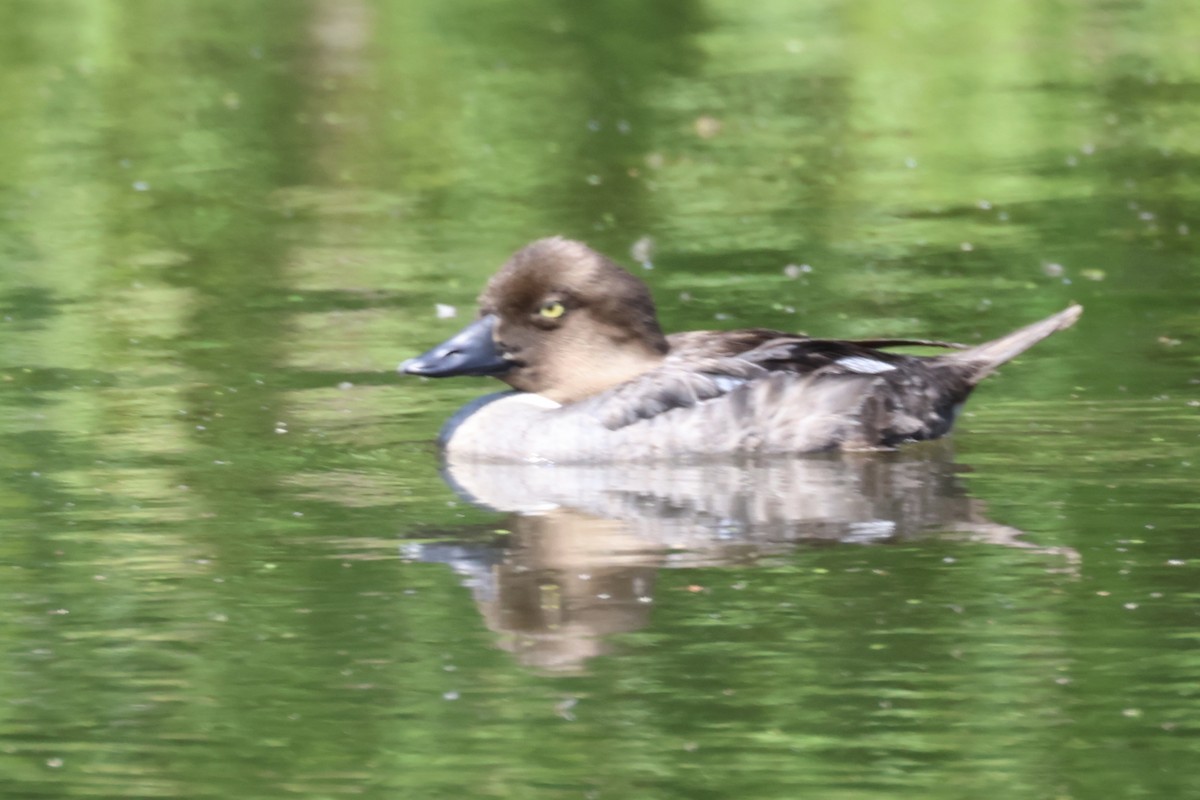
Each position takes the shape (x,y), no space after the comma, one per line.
(983,360)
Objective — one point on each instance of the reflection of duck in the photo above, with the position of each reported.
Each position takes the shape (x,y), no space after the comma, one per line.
(557,585)
(597,380)
(587,540)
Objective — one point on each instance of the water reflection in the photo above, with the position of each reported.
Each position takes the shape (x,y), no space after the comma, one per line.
(584,543)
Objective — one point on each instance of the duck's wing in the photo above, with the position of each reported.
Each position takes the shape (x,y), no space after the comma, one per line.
(827,356)
(876,344)
(687,378)
(703,365)
(706,344)
(673,385)
(808,394)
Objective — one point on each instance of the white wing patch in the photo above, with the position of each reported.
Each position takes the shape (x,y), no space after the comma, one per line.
(864,365)
(727,383)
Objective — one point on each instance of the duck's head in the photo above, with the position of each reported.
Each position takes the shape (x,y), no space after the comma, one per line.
(558,319)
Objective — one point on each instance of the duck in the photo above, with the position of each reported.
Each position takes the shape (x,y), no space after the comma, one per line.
(595,380)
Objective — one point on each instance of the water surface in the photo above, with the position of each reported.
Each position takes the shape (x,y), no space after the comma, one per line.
(233,566)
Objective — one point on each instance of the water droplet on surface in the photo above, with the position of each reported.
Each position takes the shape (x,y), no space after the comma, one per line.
(707,127)
(642,251)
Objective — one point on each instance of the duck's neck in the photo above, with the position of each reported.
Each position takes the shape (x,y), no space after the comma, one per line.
(590,376)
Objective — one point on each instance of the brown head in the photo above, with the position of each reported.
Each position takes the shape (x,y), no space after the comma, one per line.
(564,321)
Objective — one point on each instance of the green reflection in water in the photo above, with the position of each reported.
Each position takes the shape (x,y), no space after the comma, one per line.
(221,225)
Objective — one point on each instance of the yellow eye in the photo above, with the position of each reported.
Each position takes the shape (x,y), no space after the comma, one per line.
(552,309)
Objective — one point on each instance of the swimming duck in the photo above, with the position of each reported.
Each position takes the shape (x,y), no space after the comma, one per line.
(596,380)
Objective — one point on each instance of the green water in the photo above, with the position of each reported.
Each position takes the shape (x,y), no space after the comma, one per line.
(232,567)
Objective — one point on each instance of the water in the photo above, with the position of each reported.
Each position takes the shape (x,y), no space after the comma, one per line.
(233,568)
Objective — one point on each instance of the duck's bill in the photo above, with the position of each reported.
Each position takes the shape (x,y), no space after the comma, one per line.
(471,351)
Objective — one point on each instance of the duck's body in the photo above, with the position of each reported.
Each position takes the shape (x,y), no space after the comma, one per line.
(598,381)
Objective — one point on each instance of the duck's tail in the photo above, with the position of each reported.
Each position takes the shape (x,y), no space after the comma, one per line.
(979,362)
